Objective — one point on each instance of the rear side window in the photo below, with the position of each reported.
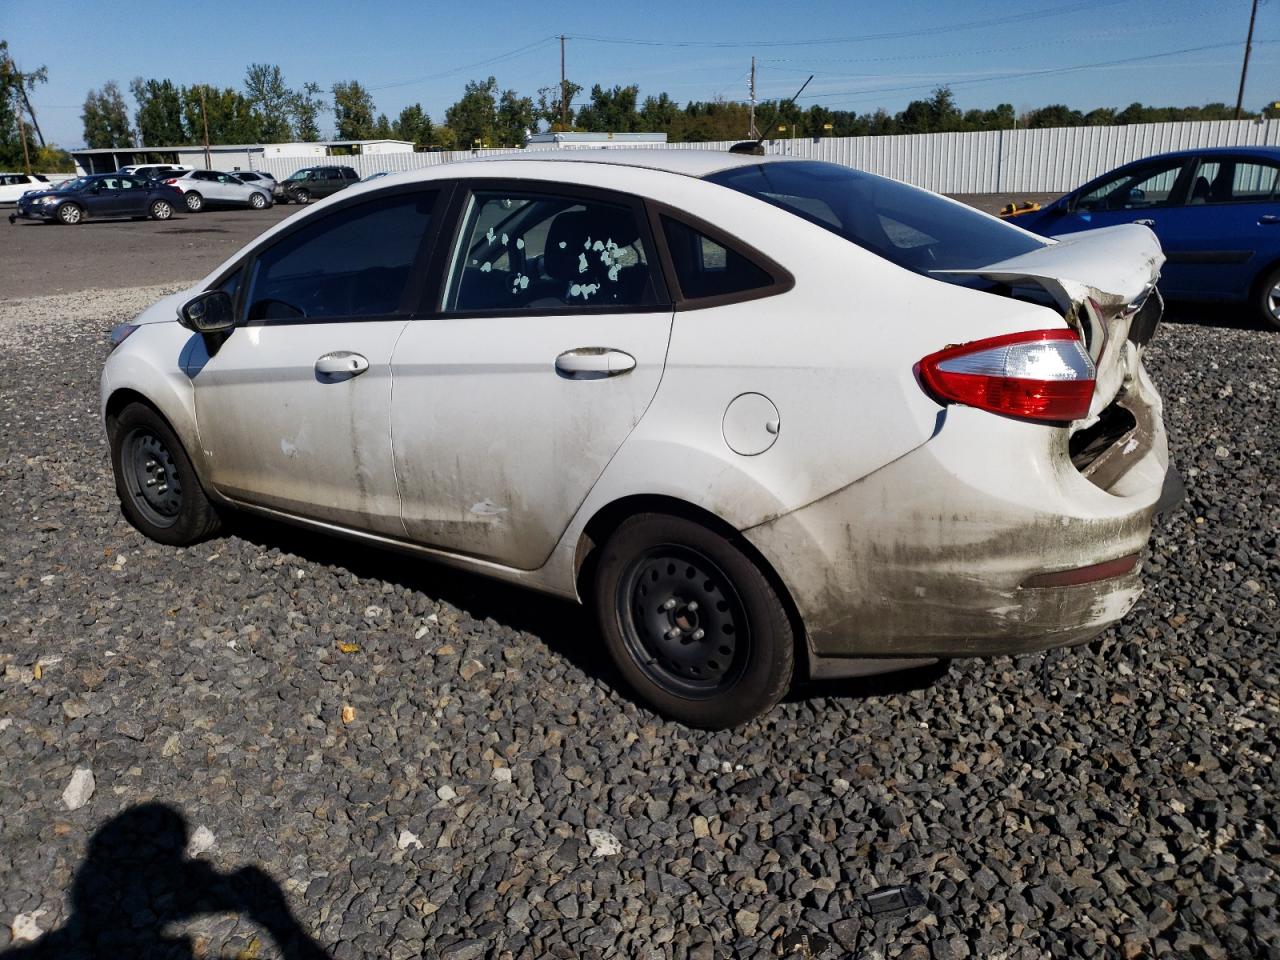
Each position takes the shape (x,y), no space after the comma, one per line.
(356,262)
(1233,181)
(706,268)
(910,227)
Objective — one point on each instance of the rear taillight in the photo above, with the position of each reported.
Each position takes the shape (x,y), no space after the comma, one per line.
(1037,375)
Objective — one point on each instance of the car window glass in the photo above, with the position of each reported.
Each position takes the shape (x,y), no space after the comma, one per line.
(355,262)
(545,253)
(1232,181)
(127,183)
(110,183)
(706,268)
(1146,186)
(905,225)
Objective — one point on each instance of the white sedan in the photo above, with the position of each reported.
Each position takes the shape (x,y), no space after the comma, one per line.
(771,418)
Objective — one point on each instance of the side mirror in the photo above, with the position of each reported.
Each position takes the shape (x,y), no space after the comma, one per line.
(211,312)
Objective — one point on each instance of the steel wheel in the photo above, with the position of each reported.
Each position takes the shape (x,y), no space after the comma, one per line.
(70,213)
(152,477)
(257,201)
(161,210)
(195,202)
(683,622)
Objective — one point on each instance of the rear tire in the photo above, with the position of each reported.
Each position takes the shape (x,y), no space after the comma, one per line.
(1267,299)
(195,202)
(258,201)
(70,214)
(161,210)
(159,491)
(693,624)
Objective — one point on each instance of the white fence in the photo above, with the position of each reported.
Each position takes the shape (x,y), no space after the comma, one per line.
(996,161)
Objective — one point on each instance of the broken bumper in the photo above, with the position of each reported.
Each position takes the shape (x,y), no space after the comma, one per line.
(939,553)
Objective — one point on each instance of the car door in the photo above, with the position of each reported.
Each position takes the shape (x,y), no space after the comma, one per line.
(133,196)
(103,197)
(546,350)
(294,407)
(232,189)
(1228,228)
(330,181)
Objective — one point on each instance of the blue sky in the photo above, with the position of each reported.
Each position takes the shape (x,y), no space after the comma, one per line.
(864,55)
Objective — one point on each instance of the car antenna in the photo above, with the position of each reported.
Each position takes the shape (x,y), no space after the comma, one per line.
(756,147)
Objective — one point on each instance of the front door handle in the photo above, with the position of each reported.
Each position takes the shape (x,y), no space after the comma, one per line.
(1268,219)
(594,363)
(1146,223)
(341,363)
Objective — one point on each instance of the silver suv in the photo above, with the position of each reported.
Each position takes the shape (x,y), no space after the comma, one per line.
(201,187)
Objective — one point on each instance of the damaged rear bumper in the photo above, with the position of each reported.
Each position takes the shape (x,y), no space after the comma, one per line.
(941,553)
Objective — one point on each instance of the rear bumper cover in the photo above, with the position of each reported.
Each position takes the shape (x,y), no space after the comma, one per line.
(928,557)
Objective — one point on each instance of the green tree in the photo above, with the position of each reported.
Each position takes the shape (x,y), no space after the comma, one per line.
(1054,115)
(353,111)
(474,117)
(548,108)
(382,129)
(16,128)
(515,118)
(413,125)
(660,114)
(305,106)
(938,114)
(159,113)
(230,116)
(267,93)
(611,111)
(105,118)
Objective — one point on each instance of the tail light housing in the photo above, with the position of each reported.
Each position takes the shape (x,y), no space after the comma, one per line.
(1042,375)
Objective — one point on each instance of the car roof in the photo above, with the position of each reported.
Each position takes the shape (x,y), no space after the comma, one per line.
(1271,153)
(690,163)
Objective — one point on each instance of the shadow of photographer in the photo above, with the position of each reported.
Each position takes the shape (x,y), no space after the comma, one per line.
(137,880)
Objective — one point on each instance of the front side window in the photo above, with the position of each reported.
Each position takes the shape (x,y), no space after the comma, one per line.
(1145,186)
(706,268)
(1233,181)
(355,262)
(905,225)
(540,252)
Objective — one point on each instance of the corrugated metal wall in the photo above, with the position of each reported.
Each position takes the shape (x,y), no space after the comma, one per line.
(996,161)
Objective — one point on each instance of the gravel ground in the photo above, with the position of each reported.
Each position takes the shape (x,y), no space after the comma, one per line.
(397,761)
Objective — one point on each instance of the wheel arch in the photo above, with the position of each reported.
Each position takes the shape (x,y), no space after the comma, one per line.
(1260,275)
(610,516)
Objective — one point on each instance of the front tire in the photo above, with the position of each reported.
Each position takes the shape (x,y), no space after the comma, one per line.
(161,210)
(70,214)
(1267,300)
(302,196)
(159,491)
(195,202)
(692,622)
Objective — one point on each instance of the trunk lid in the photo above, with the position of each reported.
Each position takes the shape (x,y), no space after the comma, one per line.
(1104,283)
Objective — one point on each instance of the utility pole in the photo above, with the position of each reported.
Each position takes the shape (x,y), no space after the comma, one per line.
(564,90)
(22,88)
(752,132)
(204,115)
(1244,67)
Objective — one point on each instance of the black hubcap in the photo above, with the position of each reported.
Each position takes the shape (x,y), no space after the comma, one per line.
(152,477)
(683,622)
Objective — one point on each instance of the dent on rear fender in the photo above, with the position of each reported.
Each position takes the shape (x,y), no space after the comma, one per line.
(910,560)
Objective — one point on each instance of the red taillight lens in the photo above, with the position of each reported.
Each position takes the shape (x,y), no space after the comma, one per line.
(1038,375)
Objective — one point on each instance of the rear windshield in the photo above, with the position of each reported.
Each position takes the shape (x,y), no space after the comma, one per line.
(913,228)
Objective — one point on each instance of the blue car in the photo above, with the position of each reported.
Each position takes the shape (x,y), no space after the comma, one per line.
(1215,210)
(101,197)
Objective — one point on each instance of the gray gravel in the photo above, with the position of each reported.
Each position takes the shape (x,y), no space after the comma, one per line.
(425,763)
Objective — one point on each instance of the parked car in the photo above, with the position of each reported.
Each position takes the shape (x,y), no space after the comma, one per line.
(99,197)
(155,171)
(256,178)
(1215,210)
(14,185)
(767,416)
(215,188)
(312,183)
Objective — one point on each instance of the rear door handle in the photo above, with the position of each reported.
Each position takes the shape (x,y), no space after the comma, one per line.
(341,363)
(1267,219)
(594,363)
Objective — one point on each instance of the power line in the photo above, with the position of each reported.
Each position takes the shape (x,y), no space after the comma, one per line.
(865,94)
(510,54)
(894,35)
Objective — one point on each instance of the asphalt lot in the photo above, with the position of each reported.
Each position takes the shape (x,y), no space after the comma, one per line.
(42,258)
(298,739)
